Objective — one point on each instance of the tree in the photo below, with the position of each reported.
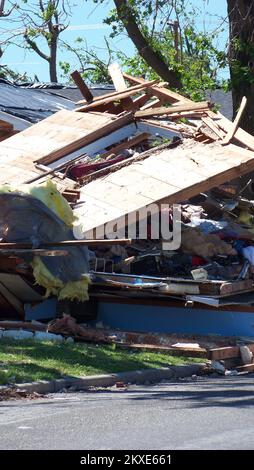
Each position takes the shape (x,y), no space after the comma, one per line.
(45,20)
(3,12)
(128,14)
(241,57)
(168,44)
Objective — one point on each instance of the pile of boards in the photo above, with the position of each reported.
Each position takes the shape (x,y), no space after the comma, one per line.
(145,144)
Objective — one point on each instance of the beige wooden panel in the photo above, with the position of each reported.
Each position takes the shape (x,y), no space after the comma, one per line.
(57,135)
(172,176)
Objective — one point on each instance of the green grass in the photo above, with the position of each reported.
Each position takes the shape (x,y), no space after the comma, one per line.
(29,360)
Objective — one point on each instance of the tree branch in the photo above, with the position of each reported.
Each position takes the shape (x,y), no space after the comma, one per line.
(153,59)
(35,48)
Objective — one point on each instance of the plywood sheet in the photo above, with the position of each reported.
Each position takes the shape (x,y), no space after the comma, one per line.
(170,177)
(50,139)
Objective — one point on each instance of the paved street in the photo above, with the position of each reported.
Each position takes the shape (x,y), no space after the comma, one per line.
(209,413)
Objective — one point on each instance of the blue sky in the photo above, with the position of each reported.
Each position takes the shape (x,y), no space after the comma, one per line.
(87,22)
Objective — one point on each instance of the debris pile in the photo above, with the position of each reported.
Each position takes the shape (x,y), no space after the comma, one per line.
(129,156)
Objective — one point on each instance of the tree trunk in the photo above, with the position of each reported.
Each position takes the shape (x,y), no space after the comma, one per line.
(153,59)
(53,56)
(241,55)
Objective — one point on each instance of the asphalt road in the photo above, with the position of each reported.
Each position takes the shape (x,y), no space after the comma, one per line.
(209,413)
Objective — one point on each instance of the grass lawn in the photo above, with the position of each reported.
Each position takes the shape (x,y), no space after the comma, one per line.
(29,360)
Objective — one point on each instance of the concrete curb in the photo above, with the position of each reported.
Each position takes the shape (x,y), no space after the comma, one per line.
(137,377)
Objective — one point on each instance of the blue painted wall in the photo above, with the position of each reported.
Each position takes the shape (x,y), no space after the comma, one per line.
(176,319)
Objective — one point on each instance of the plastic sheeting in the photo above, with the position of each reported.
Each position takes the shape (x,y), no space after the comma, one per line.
(25,218)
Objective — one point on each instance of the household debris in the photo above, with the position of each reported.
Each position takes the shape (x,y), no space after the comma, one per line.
(17,394)
(119,154)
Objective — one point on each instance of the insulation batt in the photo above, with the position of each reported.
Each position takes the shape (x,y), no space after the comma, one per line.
(40,214)
(204,245)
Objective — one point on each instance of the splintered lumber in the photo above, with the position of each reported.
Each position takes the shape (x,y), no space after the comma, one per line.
(241,136)
(159,348)
(116,241)
(57,168)
(86,130)
(203,105)
(117,95)
(213,126)
(161,92)
(236,122)
(117,77)
(120,85)
(227,352)
(245,368)
(82,86)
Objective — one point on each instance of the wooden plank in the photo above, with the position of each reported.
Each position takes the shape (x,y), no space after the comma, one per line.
(241,136)
(117,77)
(213,126)
(120,85)
(230,288)
(86,139)
(151,104)
(203,105)
(161,92)
(226,352)
(14,245)
(246,368)
(236,122)
(117,95)
(140,100)
(82,86)
(174,351)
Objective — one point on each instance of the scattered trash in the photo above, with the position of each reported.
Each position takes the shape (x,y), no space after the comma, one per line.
(246,355)
(17,394)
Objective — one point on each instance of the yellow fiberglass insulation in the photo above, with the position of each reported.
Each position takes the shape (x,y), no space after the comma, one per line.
(73,290)
(48,194)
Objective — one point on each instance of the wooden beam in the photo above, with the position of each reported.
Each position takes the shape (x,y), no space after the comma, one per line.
(161,92)
(211,123)
(203,105)
(241,136)
(117,77)
(84,90)
(116,241)
(226,352)
(87,139)
(159,348)
(120,85)
(236,122)
(246,368)
(117,95)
